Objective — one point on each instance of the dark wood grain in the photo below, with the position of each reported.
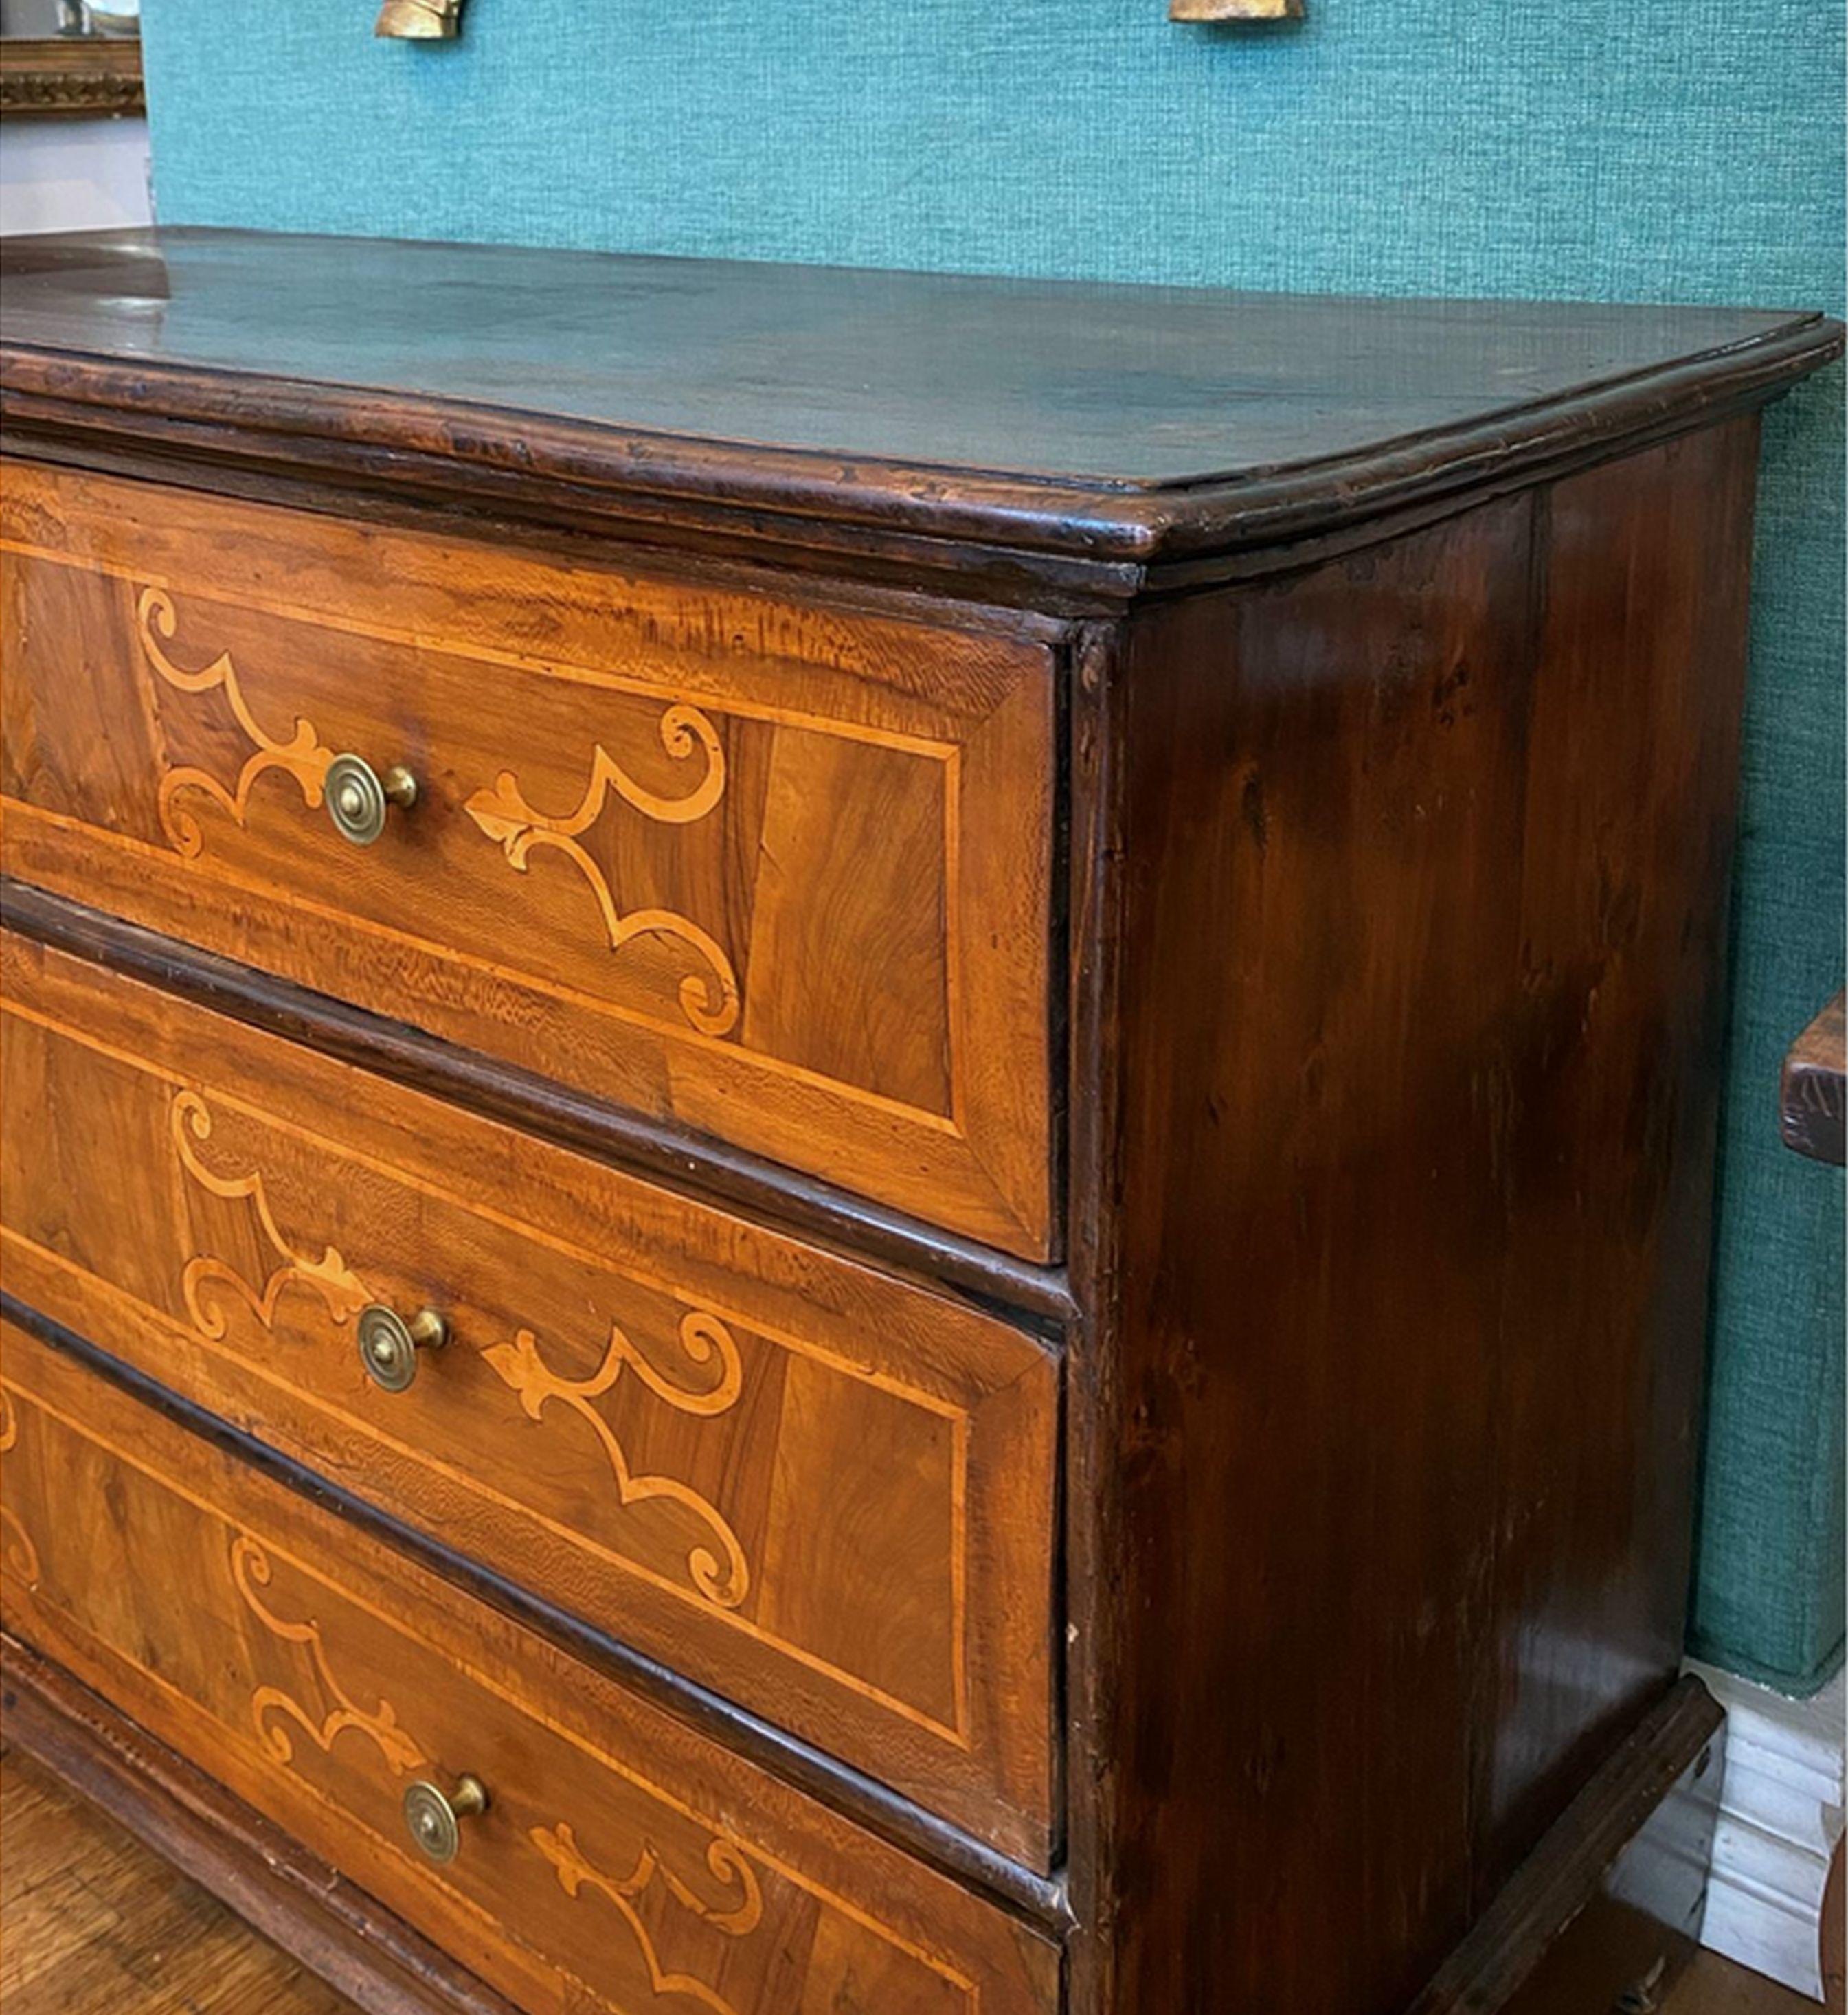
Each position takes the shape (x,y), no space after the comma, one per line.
(684,1162)
(1611,1901)
(1610,1059)
(1103,422)
(1040,1900)
(1418,1009)
(773,873)
(1339,705)
(1814,1091)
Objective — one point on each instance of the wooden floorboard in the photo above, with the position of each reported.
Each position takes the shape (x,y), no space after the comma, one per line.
(92,1923)
(1715,1986)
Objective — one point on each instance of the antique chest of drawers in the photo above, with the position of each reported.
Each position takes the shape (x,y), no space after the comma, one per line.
(858,1128)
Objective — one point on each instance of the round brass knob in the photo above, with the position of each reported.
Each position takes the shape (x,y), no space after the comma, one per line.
(435,1817)
(358,797)
(388,1344)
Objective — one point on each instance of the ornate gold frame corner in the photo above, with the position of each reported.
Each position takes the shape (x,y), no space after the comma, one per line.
(71,76)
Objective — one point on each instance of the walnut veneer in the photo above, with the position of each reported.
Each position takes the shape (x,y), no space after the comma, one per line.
(1007,998)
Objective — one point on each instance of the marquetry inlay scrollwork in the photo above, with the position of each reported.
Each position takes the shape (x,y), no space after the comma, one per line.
(205,1275)
(709,999)
(718,1570)
(736,1915)
(271,1707)
(18,1552)
(303,756)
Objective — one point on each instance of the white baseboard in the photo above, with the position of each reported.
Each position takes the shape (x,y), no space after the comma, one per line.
(1780,1817)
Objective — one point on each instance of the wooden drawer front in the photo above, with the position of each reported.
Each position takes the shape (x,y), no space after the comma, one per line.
(825,1494)
(779,874)
(621,1861)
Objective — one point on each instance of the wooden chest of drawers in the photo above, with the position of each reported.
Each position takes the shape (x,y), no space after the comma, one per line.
(858,1128)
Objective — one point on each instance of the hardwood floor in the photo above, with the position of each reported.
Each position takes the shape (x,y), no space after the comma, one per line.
(91,1924)
(1715,1987)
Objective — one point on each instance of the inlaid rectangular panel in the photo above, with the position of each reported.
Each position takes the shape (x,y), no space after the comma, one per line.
(779,874)
(824,1493)
(621,1862)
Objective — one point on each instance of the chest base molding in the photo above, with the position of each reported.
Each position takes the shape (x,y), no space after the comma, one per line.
(1612,1891)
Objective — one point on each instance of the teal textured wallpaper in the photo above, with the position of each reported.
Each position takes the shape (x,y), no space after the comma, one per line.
(1638,149)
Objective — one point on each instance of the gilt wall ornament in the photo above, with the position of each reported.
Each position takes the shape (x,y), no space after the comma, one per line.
(1235,10)
(419,21)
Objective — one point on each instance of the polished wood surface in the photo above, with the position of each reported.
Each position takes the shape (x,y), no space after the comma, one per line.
(617,1859)
(779,875)
(90,1920)
(83,1900)
(1814,1090)
(1415,1040)
(1147,868)
(700,1168)
(766,1746)
(826,1494)
(801,407)
(975,374)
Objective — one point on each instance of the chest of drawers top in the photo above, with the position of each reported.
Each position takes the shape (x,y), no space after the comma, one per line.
(1040,442)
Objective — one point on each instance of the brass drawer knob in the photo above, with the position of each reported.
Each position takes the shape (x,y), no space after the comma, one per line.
(388,1344)
(435,1817)
(358,797)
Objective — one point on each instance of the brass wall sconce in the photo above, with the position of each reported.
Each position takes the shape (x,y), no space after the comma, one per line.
(419,21)
(1234,10)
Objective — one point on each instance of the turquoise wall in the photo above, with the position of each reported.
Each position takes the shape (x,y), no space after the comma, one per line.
(1637,149)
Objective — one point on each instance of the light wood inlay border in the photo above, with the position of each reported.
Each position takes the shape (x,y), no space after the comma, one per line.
(711,1009)
(943,1106)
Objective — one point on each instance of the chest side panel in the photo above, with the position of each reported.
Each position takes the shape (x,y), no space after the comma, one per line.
(1425,887)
